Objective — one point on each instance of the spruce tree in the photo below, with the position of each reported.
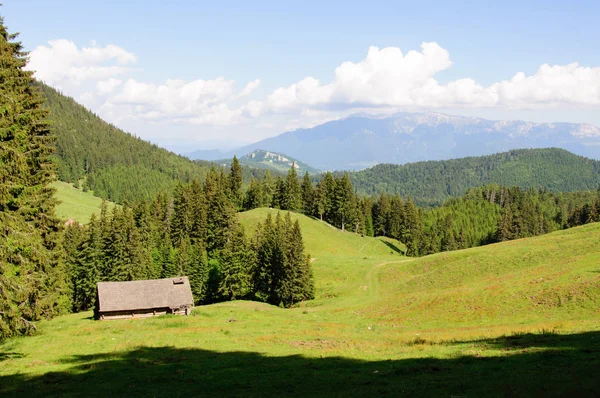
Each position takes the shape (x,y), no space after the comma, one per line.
(87,266)
(291,198)
(33,277)
(236,266)
(344,202)
(198,271)
(265,242)
(303,287)
(307,195)
(255,196)
(235,183)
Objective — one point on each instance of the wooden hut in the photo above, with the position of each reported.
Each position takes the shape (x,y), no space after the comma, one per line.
(118,300)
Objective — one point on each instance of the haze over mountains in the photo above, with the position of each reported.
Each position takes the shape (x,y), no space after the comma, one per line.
(361,141)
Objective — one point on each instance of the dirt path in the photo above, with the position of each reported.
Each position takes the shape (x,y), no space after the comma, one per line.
(372,285)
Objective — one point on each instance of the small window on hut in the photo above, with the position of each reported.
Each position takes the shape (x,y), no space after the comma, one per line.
(178,281)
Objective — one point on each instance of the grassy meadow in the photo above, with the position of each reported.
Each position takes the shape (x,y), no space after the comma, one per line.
(75,203)
(520,318)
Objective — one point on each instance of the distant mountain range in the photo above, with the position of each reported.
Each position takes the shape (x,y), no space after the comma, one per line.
(274,161)
(358,142)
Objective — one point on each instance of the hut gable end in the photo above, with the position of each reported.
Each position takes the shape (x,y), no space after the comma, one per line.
(144,298)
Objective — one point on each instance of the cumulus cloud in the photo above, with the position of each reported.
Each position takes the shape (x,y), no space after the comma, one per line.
(197,101)
(63,62)
(108,86)
(250,87)
(387,77)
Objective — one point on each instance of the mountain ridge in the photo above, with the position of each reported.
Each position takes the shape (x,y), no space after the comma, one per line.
(433,182)
(268,160)
(356,142)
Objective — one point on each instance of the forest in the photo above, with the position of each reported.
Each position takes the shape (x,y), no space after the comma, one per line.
(483,215)
(196,233)
(117,166)
(433,182)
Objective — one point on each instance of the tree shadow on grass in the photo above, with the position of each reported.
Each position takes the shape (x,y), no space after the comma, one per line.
(537,365)
(10,355)
(392,246)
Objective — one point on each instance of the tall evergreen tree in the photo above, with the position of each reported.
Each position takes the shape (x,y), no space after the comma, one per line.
(87,266)
(344,202)
(307,195)
(235,183)
(291,197)
(33,278)
(237,265)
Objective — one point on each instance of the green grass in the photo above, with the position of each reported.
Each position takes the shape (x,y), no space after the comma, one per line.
(75,203)
(520,318)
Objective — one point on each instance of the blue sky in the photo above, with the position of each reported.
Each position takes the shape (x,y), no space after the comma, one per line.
(283,43)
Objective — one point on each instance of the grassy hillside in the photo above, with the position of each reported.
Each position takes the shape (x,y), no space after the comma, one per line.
(75,203)
(431,183)
(519,318)
(338,257)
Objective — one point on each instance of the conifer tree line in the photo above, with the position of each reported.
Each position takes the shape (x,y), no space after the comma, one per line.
(196,233)
(481,216)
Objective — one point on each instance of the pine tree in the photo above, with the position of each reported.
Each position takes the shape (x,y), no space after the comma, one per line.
(235,183)
(303,287)
(33,277)
(344,203)
(413,228)
(181,221)
(307,195)
(291,197)
(283,271)
(381,216)
(236,266)
(265,243)
(329,197)
(504,232)
(278,193)
(268,188)
(198,216)
(198,272)
(320,200)
(220,214)
(87,266)
(255,196)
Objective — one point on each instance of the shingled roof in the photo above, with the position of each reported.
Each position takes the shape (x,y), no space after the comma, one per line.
(144,295)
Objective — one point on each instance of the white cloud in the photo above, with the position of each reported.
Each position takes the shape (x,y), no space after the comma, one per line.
(62,62)
(250,87)
(386,77)
(108,86)
(196,102)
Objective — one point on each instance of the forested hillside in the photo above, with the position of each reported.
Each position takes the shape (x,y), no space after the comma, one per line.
(114,164)
(431,183)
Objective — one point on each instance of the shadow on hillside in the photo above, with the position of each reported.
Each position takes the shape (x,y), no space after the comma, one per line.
(538,365)
(9,355)
(392,246)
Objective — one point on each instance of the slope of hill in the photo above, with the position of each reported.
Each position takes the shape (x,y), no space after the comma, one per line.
(75,203)
(115,165)
(276,162)
(524,311)
(357,142)
(430,183)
